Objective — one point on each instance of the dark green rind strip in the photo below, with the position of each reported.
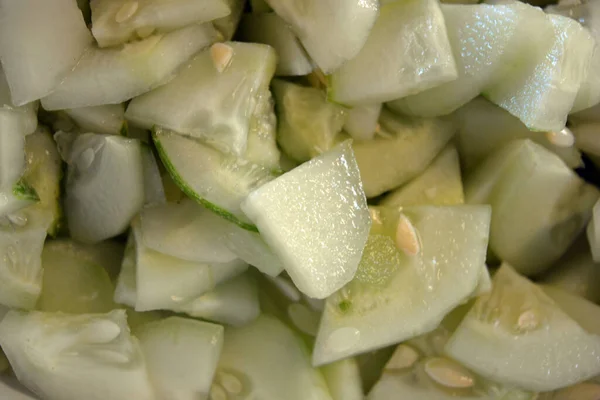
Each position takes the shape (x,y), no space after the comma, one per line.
(192,194)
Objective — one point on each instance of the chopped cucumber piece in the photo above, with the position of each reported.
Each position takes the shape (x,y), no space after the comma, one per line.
(108,119)
(105,186)
(308,124)
(74,280)
(215,98)
(228,25)
(315,218)
(440,184)
(402,150)
(343,380)
(185,230)
(181,355)
(154,192)
(417,266)
(519,336)
(126,287)
(115,22)
(323,27)
(484,127)
(74,357)
(539,204)
(248,359)
(111,76)
(270,29)
(584,312)
(25,115)
(361,122)
(217,181)
(12,148)
(412,35)
(41,42)
(234,302)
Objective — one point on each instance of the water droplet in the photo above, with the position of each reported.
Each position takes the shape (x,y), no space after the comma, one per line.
(230,383)
(306,320)
(404,357)
(562,138)
(126,11)
(343,339)
(448,373)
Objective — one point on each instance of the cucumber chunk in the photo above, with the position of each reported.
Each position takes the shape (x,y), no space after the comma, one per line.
(154,191)
(440,184)
(417,266)
(247,359)
(227,26)
(361,122)
(181,355)
(12,149)
(46,37)
(412,35)
(215,98)
(217,181)
(109,362)
(115,22)
(404,148)
(322,27)
(308,124)
(269,28)
(23,118)
(315,218)
(114,75)
(531,230)
(519,336)
(105,186)
(343,380)
(108,119)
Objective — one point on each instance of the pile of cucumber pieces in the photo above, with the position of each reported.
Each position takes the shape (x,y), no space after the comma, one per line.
(301,200)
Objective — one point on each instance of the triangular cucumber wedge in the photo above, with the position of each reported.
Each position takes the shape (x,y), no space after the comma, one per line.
(511,332)
(105,186)
(181,355)
(249,354)
(315,218)
(47,37)
(115,22)
(217,181)
(108,118)
(109,362)
(403,149)
(343,380)
(215,98)
(419,263)
(321,27)
(413,36)
(440,184)
(361,121)
(114,75)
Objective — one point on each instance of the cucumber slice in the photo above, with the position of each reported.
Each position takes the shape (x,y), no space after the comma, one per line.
(47,37)
(181,355)
(484,127)
(440,184)
(217,181)
(111,76)
(413,36)
(514,330)
(322,27)
(247,360)
(105,186)
(343,380)
(315,218)
(154,192)
(269,28)
(109,363)
(553,204)
(417,266)
(308,124)
(404,148)
(234,302)
(214,98)
(228,25)
(72,283)
(361,122)
(108,119)
(115,22)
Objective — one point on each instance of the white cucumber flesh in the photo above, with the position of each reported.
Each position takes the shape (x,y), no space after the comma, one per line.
(511,332)
(126,285)
(214,98)
(12,145)
(154,191)
(114,75)
(105,186)
(181,355)
(109,362)
(249,354)
(108,119)
(319,205)
(47,37)
(227,26)
(115,22)
(361,122)
(321,26)
(418,265)
(593,232)
(413,36)
(269,28)
(343,380)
